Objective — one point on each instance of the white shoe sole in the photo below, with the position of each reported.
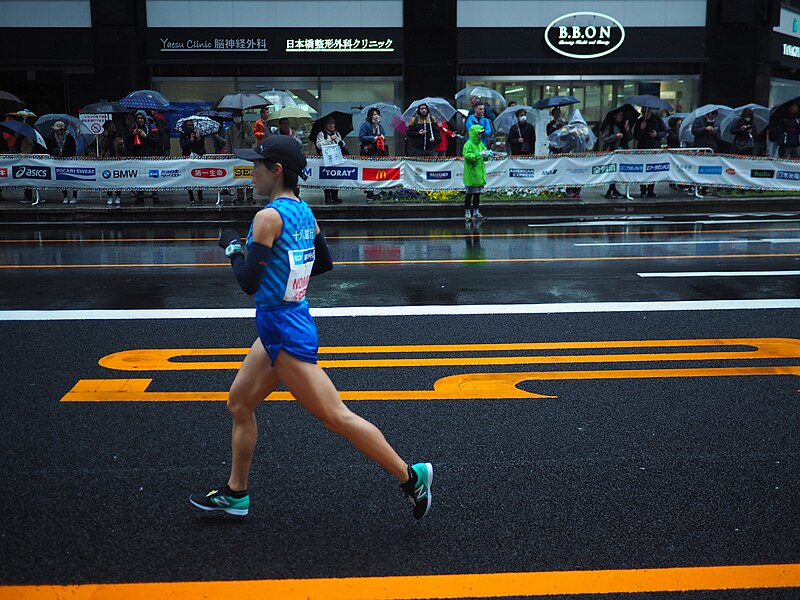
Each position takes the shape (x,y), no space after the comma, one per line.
(429,470)
(238,512)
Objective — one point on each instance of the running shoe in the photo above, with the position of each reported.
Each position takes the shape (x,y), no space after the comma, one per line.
(467,215)
(418,488)
(477,216)
(217,500)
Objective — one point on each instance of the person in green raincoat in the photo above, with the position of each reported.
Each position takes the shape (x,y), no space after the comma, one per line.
(475,155)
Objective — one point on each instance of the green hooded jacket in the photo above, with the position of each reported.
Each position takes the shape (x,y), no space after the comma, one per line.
(474,169)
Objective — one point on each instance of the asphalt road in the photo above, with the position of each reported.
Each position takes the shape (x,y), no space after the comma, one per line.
(588,472)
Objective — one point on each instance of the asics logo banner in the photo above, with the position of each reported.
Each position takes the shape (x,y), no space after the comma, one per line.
(31,172)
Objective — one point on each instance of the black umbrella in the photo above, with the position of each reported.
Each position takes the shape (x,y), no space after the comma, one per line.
(649,101)
(218,115)
(777,113)
(240,101)
(9,102)
(344,124)
(554,101)
(629,114)
(104,107)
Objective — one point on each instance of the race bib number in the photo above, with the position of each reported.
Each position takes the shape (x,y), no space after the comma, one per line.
(300,264)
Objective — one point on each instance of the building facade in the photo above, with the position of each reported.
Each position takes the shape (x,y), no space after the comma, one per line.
(343,54)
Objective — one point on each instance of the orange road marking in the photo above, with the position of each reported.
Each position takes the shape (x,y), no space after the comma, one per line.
(760,348)
(420,261)
(488,585)
(472,386)
(432,236)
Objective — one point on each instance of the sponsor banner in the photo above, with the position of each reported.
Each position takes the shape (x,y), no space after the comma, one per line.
(44,172)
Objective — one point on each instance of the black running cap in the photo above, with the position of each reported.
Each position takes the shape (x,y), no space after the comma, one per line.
(278,149)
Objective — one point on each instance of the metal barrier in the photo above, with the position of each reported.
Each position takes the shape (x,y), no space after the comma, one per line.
(219,191)
(695,188)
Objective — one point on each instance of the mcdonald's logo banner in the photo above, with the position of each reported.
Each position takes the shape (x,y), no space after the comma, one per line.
(389,174)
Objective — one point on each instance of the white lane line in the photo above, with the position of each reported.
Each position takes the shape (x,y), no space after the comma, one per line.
(722,274)
(395,311)
(689,243)
(654,221)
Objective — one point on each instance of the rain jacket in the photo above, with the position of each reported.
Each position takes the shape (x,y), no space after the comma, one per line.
(487,128)
(641,132)
(423,144)
(367,134)
(474,167)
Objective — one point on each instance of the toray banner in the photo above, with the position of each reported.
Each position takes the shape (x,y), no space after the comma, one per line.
(712,170)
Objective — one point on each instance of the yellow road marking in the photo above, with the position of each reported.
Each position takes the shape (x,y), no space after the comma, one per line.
(472,386)
(420,261)
(488,585)
(432,236)
(161,359)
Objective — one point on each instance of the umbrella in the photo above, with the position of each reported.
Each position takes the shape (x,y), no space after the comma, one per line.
(760,120)
(556,101)
(648,101)
(685,134)
(240,101)
(575,136)
(145,100)
(218,115)
(24,113)
(203,125)
(279,99)
(777,113)
(506,119)
(104,107)
(630,114)
(25,130)
(344,124)
(486,94)
(297,116)
(391,115)
(77,128)
(9,101)
(439,108)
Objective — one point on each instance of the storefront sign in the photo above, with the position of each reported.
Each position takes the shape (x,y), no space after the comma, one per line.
(584,35)
(793,51)
(277,44)
(339,45)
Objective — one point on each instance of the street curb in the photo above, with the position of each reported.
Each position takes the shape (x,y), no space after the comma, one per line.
(51,214)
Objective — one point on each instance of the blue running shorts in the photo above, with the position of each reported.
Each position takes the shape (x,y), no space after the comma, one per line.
(289,328)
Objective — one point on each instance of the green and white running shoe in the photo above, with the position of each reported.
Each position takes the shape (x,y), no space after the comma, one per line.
(418,488)
(218,500)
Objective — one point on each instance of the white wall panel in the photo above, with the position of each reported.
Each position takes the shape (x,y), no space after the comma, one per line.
(46,13)
(540,13)
(275,13)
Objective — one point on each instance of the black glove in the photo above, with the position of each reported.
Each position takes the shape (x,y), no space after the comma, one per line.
(230,241)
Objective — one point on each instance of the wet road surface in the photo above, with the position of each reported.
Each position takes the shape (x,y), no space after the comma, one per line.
(638,449)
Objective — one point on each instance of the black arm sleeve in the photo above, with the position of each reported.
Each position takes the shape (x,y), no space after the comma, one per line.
(322,256)
(249,270)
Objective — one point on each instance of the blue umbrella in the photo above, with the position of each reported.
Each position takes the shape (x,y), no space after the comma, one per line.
(145,100)
(556,101)
(25,130)
(648,101)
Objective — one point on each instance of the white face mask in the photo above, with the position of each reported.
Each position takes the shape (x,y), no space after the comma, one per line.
(237,119)
(748,119)
(523,118)
(376,118)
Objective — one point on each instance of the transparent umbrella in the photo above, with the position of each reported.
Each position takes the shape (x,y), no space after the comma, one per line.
(685,134)
(760,120)
(391,115)
(494,98)
(439,108)
(575,136)
(508,118)
(77,128)
(104,107)
(278,98)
